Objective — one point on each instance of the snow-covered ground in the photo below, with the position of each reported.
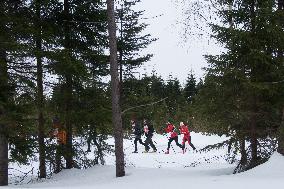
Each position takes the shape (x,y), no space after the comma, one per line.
(169,171)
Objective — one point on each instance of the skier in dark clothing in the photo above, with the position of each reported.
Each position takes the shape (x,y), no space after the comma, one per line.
(172,136)
(149,131)
(137,131)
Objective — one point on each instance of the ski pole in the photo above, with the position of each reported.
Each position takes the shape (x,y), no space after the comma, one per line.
(173,149)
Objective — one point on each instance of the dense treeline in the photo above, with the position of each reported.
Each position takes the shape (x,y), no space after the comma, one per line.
(54,61)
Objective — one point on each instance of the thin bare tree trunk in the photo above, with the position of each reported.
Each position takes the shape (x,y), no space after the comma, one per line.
(281,135)
(42,168)
(244,158)
(253,121)
(3,137)
(68,90)
(3,159)
(280,56)
(116,111)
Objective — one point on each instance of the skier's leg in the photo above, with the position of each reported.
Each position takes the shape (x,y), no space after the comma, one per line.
(147,144)
(169,143)
(152,144)
(135,144)
(178,144)
(192,146)
(141,142)
(184,139)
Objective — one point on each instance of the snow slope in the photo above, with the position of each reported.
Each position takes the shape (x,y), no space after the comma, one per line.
(176,170)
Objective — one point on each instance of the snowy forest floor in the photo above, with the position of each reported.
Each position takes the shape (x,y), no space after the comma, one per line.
(168,171)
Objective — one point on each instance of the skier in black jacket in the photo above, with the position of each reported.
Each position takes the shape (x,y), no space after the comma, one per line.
(137,131)
(149,130)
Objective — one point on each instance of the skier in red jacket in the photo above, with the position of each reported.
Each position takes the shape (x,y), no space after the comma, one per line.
(186,135)
(173,136)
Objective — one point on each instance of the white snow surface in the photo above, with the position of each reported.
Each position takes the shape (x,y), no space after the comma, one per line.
(169,171)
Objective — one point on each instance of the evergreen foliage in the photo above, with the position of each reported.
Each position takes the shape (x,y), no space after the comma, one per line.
(54,60)
(239,92)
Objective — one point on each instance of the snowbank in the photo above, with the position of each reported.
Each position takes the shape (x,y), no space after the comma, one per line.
(175,170)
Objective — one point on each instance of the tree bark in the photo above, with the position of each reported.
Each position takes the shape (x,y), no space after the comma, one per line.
(40,97)
(231,22)
(68,124)
(3,137)
(116,111)
(280,4)
(253,101)
(3,159)
(68,90)
(280,56)
(253,141)
(244,158)
(280,148)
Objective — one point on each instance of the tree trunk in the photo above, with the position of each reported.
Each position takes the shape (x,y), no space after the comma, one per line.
(68,89)
(40,97)
(116,111)
(281,135)
(58,155)
(120,50)
(68,124)
(231,22)
(3,159)
(280,4)
(253,141)
(253,101)
(244,158)
(3,138)
(280,56)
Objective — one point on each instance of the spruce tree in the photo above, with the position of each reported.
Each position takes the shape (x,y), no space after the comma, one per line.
(131,39)
(190,87)
(10,26)
(237,92)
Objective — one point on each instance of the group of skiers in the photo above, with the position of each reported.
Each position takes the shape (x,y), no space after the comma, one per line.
(148,130)
(170,130)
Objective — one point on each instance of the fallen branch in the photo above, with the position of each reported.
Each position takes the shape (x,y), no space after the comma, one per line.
(150,104)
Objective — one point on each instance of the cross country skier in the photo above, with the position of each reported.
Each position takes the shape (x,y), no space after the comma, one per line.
(148,130)
(137,131)
(186,135)
(173,136)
